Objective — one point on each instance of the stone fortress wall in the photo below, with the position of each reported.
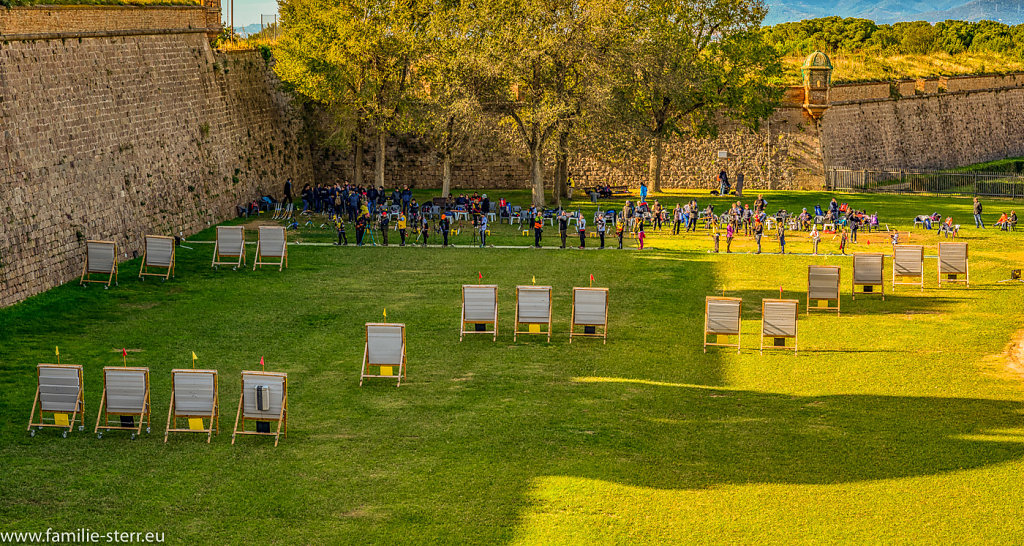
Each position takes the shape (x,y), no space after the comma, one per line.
(119,121)
(111,137)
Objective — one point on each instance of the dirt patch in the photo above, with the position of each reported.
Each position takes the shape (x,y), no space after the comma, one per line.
(1013,356)
(253,224)
(139,306)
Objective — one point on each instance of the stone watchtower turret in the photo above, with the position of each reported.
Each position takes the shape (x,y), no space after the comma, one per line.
(817,72)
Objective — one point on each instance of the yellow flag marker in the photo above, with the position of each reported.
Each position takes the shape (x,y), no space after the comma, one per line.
(534,279)
(195,423)
(57,350)
(385,312)
(61,419)
(194,357)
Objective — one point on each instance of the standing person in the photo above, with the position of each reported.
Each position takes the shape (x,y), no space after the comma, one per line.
(730,232)
(977,214)
(715,236)
(483,230)
(360,229)
(677,219)
(758,232)
(569,185)
(353,205)
(854,222)
(339,224)
(739,184)
(563,226)
(760,204)
(620,227)
(692,226)
(445,226)
(402,223)
(723,183)
(538,229)
(581,225)
(406,197)
(424,228)
(815,238)
(287,192)
(782,238)
(384,221)
(643,192)
(842,242)
(601,225)
(640,233)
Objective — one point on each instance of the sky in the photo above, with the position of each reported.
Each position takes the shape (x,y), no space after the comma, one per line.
(249,11)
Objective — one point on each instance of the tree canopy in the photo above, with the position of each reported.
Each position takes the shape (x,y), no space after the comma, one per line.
(654,70)
(850,35)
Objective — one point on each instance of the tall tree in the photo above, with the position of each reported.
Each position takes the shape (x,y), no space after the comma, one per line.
(354,57)
(685,65)
(541,51)
(448,111)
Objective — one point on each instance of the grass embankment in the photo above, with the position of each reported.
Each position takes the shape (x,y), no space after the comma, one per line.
(893,423)
(864,67)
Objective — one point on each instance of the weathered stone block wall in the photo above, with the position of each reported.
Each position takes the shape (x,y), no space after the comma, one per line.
(783,153)
(83,19)
(114,138)
(926,131)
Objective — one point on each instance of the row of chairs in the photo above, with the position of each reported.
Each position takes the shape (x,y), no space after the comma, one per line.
(271,247)
(159,254)
(101,259)
(125,402)
(908,267)
(779,316)
(778,322)
(533,310)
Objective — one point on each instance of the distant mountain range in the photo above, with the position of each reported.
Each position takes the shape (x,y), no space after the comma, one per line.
(247,29)
(1010,12)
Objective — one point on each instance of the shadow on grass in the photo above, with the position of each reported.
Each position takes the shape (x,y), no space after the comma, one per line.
(697,437)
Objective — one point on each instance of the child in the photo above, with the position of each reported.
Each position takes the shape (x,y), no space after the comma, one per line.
(758,231)
(401,227)
(815,238)
(842,243)
(640,234)
(715,235)
(730,232)
(340,226)
(424,229)
(782,238)
(620,226)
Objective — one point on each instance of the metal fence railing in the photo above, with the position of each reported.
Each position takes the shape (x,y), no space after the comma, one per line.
(1005,184)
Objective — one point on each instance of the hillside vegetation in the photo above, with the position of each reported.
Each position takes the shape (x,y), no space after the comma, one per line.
(862,50)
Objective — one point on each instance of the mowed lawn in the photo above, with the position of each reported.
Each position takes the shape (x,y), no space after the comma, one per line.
(900,421)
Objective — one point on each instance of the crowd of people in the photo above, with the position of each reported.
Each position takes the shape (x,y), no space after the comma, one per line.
(371,211)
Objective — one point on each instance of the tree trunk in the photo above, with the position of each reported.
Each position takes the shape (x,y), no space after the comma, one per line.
(657,155)
(537,172)
(446,174)
(561,167)
(382,141)
(357,162)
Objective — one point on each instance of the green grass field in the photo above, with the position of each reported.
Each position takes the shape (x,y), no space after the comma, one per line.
(899,421)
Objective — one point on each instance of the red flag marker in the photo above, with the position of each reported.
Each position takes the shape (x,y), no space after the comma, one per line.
(124,356)
(480,275)
(262,366)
